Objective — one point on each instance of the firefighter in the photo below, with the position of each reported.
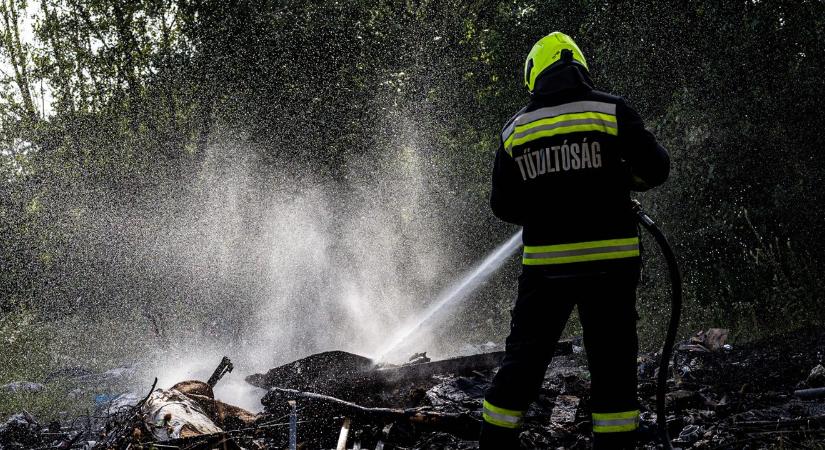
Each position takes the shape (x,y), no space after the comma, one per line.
(564,171)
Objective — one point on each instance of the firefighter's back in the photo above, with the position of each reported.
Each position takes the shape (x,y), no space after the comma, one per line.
(573,177)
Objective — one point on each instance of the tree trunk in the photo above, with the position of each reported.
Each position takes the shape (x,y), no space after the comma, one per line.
(11,39)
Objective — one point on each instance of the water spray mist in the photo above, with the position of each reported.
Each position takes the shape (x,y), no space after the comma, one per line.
(457,292)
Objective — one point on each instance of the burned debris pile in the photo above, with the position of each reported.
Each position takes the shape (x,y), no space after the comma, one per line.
(759,395)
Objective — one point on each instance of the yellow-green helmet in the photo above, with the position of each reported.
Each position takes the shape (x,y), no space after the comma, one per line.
(546,52)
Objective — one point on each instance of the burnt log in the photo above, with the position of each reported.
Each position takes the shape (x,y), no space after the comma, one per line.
(810,394)
(326,369)
(373,386)
(313,370)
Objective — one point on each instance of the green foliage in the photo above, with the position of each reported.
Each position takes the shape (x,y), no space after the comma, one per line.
(20,334)
(26,352)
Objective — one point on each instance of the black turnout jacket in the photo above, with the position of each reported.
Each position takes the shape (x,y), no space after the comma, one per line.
(568,160)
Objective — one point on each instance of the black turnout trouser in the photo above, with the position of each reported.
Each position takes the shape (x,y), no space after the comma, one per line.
(606,300)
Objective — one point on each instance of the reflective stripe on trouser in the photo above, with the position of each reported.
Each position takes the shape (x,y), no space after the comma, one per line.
(580,251)
(615,422)
(501,417)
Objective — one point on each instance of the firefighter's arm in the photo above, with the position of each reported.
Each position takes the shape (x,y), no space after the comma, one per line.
(504,198)
(648,161)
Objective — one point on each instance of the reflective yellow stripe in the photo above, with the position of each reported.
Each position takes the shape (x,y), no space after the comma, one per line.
(582,258)
(501,417)
(579,245)
(561,130)
(615,422)
(506,412)
(553,111)
(581,251)
(565,117)
(616,415)
(561,124)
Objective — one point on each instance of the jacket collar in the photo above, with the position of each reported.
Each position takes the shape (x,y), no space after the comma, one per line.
(569,77)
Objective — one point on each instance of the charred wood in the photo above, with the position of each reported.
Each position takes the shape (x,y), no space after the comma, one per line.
(223,368)
(459,424)
(809,394)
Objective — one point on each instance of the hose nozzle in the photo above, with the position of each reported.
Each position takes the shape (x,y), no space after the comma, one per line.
(643,217)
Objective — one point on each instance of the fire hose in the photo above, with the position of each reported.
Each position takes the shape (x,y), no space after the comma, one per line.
(675,313)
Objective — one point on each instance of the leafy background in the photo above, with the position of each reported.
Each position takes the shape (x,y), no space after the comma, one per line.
(149,148)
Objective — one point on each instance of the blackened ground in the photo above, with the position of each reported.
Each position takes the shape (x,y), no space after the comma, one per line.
(728,399)
(737,398)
